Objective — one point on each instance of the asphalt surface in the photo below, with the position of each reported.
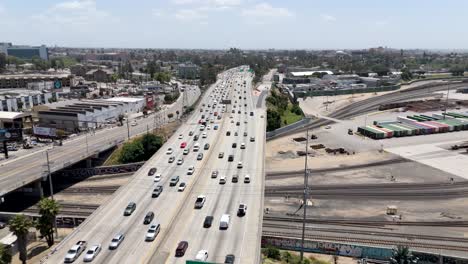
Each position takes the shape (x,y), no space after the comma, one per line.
(173,209)
(31,167)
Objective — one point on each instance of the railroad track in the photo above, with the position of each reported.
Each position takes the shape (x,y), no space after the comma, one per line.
(69,209)
(91,190)
(368,223)
(382,191)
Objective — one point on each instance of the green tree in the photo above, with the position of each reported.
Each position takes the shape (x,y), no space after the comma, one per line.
(48,209)
(406,74)
(457,70)
(402,255)
(132,152)
(5,254)
(271,252)
(3,61)
(380,69)
(273,120)
(151,143)
(19,226)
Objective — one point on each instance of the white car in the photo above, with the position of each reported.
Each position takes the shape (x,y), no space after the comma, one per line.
(204,135)
(75,251)
(202,255)
(92,253)
(182,186)
(239,165)
(208,127)
(181,136)
(153,231)
(157,177)
(180,161)
(222,179)
(169,151)
(186,151)
(190,170)
(115,242)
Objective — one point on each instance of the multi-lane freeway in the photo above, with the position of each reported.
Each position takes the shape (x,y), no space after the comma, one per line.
(241,124)
(23,170)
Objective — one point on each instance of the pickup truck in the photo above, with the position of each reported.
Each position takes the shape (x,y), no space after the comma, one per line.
(75,251)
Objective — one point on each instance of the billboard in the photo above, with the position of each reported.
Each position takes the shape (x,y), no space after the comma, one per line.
(45,131)
(11,134)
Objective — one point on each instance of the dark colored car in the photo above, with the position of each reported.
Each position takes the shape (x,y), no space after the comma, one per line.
(148,218)
(234,145)
(208,221)
(235,178)
(228,133)
(231,158)
(130,208)
(195,138)
(152,171)
(157,191)
(181,248)
(230,259)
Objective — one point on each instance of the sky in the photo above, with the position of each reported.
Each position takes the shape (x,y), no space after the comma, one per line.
(245,24)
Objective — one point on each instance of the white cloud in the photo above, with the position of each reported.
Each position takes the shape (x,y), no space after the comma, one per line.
(209,3)
(189,15)
(328,18)
(265,10)
(158,12)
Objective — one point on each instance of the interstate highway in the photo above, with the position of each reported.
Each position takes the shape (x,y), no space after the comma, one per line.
(108,220)
(16,173)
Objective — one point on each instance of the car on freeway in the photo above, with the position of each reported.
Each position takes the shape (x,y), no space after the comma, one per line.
(186,151)
(157,177)
(252,139)
(231,158)
(171,159)
(208,221)
(245,134)
(75,251)
(157,191)
(148,218)
(92,252)
(237,123)
(208,127)
(235,134)
(230,258)
(190,170)
(181,248)
(116,241)
(234,145)
(202,255)
(152,232)
(221,155)
(232,121)
(327,127)
(174,181)
(247,178)
(181,136)
(261,116)
(214,174)
(200,156)
(242,209)
(169,151)
(239,165)
(202,128)
(204,135)
(183,144)
(224,222)
(134,123)
(228,133)
(180,161)
(182,186)
(129,209)
(207,146)
(151,171)
(242,146)
(222,180)
(235,178)
(200,201)
(190,133)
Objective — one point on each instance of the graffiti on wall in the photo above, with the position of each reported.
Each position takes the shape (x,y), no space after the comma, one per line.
(88,172)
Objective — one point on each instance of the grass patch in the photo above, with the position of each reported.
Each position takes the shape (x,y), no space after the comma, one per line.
(288,117)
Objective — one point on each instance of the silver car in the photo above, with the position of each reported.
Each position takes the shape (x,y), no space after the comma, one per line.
(92,252)
(115,242)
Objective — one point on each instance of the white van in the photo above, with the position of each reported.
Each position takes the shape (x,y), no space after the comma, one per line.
(224,222)
(196,147)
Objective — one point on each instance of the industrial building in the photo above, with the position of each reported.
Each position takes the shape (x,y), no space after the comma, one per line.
(24,52)
(17,100)
(22,80)
(90,113)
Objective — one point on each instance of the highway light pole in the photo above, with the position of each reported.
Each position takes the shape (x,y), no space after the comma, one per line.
(306,194)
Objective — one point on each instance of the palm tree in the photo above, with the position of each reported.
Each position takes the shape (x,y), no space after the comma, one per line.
(402,255)
(19,226)
(48,209)
(5,254)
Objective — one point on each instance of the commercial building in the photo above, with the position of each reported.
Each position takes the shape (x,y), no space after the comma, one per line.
(188,71)
(17,100)
(99,75)
(22,80)
(24,52)
(90,113)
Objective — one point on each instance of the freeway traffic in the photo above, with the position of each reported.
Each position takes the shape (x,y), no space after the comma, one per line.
(24,170)
(169,210)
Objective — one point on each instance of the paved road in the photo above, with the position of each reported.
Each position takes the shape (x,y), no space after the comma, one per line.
(26,169)
(174,210)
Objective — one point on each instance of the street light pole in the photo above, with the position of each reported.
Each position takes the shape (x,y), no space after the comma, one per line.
(306,192)
(128,130)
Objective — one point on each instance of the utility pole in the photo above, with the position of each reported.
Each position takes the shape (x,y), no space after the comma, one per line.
(446,101)
(128,130)
(51,188)
(306,194)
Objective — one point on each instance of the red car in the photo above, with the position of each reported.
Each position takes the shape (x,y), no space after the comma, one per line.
(215,113)
(183,144)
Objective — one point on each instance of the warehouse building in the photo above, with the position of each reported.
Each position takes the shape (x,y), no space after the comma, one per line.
(22,80)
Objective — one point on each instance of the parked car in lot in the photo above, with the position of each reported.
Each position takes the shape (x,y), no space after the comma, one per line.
(92,252)
(208,221)
(181,248)
(200,201)
(152,232)
(130,208)
(151,171)
(157,191)
(75,251)
(116,241)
